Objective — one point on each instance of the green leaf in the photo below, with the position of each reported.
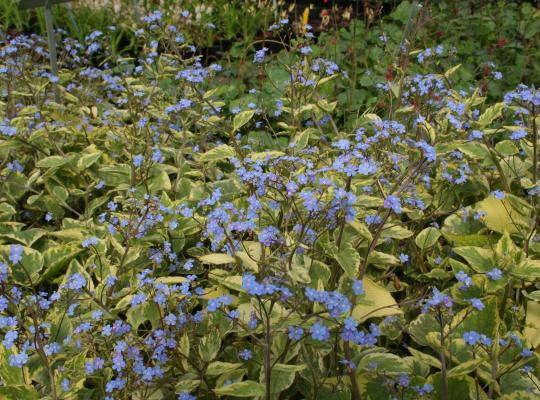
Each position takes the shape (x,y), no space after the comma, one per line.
(51,162)
(148,311)
(87,159)
(490,114)
(242,118)
(527,269)
(218,153)
(427,238)
(250,256)
(532,330)
(480,260)
(116,175)
(217,259)
(187,385)
(159,180)
(348,258)
(465,368)
(220,367)
(421,327)
(27,237)
(56,260)
(459,388)
(10,375)
(283,376)
(426,358)
(501,216)
(451,71)
(376,302)
(210,345)
(241,389)
(19,392)
(386,363)
(26,271)
(485,321)
(506,148)
(301,139)
(472,240)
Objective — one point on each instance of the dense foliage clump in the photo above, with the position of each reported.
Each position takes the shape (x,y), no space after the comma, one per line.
(298,227)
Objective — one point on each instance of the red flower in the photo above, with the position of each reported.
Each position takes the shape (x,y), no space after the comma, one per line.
(389,76)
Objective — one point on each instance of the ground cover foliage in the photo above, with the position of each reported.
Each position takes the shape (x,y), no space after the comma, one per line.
(350,215)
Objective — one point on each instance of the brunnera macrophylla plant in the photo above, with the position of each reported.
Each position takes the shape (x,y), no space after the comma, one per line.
(164,236)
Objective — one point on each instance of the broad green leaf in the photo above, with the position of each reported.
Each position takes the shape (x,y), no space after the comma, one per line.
(242,118)
(159,180)
(480,260)
(490,114)
(250,255)
(27,270)
(501,216)
(187,385)
(19,392)
(57,258)
(209,346)
(427,358)
(469,240)
(115,175)
(27,237)
(241,389)
(283,376)
(51,162)
(485,321)
(386,363)
(459,388)
(466,367)
(220,367)
(148,311)
(506,148)
(397,232)
(376,302)
(363,229)
(218,153)
(527,269)
(421,327)
(301,139)
(86,160)
(427,238)
(532,330)
(10,375)
(216,259)
(348,258)
(451,71)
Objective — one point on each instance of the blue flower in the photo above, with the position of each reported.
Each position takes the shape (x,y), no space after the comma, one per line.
(18,360)
(519,134)
(245,354)
(319,332)
(91,241)
(138,160)
(214,304)
(259,55)
(358,287)
(477,303)
(9,339)
(15,253)
(461,276)
(495,274)
(295,333)
(498,194)
(393,202)
(471,337)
